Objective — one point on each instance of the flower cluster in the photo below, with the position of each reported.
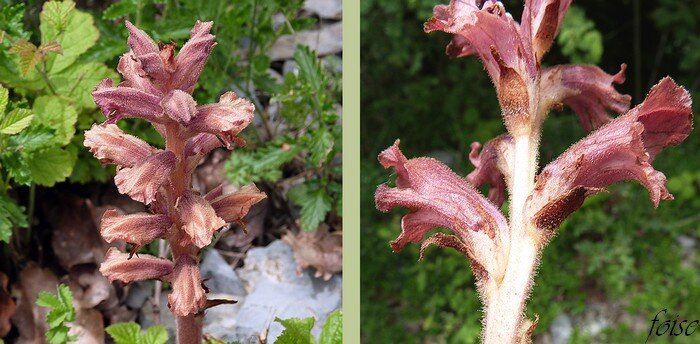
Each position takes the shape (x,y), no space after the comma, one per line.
(157,87)
(616,150)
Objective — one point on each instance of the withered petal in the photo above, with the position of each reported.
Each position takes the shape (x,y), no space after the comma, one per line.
(142,181)
(541,21)
(138,229)
(118,266)
(111,145)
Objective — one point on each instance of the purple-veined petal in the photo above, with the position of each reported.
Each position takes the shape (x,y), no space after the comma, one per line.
(227,117)
(111,145)
(188,296)
(190,61)
(121,102)
(437,197)
(199,220)
(142,181)
(138,229)
(491,167)
(620,150)
(234,206)
(180,106)
(588,90)
(117,266)
(541,21)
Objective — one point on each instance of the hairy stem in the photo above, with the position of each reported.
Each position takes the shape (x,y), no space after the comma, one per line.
(505,306)
(189,329)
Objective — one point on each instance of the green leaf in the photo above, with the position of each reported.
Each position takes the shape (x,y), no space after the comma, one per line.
(130,333)
(309,67)
(296,331)
(62,311)
(29,55)
(11,215)
(155,335)
(16,121)
(79,80)
(314,202)
(57,114)
(35,137)
(120,9)
(332,332)
(51,165)
(125,333)
(74,30)
(3,99)
(265,163)
(321,143)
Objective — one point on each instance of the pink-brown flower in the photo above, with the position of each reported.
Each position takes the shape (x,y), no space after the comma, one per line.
(234,206)
(188,295)
(620,150)
(138,229)
(437,197)
(142,181)
(199,220)
(118,266)
(491,166)
(111,145)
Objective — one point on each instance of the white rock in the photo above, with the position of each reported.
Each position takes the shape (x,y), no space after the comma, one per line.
(326,41)
(327,9)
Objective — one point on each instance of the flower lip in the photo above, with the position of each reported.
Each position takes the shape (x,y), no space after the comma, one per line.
(118,266)
(111,145)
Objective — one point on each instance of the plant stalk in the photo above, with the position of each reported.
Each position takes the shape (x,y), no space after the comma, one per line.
(189,329)
(505,306)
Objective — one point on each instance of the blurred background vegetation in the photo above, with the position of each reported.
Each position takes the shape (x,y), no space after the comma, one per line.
(615,263)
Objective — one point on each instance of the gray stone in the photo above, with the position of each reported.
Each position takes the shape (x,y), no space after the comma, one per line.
(327,40)
(275,290)
(561,329)
(221,276)
(327,9)
(139,292)
(167,319)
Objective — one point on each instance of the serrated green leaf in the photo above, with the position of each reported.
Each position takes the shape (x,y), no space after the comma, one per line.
(58,114)
(296,331)
(51,165)
(29,55)
(16,121)
(66,298)
(309,67)
(79,80)
(73,29)
(48,300)
(120,9)
(124,333)
(35,137)
(155,335)
(3,99)
(314,202)
(5,229)
(321,143)
(332,332)
(16,166)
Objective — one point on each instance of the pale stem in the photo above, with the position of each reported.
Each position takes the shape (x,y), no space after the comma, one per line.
(505,307)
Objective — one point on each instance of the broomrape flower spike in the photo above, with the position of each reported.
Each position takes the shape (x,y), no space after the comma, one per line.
(157,87)
(504,254)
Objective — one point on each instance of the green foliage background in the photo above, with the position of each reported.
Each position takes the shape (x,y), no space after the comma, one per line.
(616,249)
